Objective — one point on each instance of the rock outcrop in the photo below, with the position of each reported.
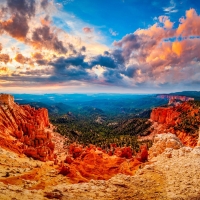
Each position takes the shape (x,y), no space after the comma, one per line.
(175,97)
(182,120)
(22,129)
(162,142)
(84,164)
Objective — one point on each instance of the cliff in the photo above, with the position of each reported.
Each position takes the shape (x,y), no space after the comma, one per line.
(84,164)
(175,97)
(23,129)
(182,120)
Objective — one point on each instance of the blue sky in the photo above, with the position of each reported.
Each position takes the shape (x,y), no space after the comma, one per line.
(125,16)
(122,46)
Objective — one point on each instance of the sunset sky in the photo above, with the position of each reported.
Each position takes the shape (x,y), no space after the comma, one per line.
(91,46)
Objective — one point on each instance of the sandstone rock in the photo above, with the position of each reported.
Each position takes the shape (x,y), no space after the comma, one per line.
(124,152)
(27,126)
(175,97)
(162,142)
(142,156)
(166,119)
(91,162)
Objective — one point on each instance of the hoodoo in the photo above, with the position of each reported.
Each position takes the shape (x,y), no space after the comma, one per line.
(23,129)
(6,99)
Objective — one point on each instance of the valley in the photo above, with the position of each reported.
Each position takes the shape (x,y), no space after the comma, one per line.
(88,152)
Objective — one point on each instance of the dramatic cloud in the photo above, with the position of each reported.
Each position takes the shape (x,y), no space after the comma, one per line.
(20,13)
(22,7)
(161,51)
(16,27)
(163,55)
(104,61)
(44,37)
(62,63)
(189,26)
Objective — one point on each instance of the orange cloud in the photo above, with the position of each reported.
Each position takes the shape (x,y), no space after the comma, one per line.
(21,59)
(161,50)
(45,21)
(167,23)
(177,48)
(189,26)
(4,58)
(37,56)
(16,27)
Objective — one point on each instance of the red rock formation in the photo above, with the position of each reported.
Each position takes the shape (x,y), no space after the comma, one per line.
(26,126)
(175,97)
(91,162)
(164,115)
(169,118)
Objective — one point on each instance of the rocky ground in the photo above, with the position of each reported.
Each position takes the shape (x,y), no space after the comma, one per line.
(174,174)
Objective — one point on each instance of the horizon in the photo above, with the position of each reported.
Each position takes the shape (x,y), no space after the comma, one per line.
(93,93)
(80,46)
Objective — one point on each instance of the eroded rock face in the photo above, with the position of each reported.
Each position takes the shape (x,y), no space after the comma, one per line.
(22,128)
(162,142)
(180,120)
(165,115)
(175,97)
(84,164)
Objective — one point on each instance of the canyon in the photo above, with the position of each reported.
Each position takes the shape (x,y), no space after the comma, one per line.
(36,163)
(175,97)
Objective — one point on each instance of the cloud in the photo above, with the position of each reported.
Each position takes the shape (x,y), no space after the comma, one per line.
(87,30)
(171,8)
(62,63)
(22,7)
(166,21)
(16,27)
(189,26)
(4,58)
(37,56)
(163,55)
(21,59)
(44,4)
(4,71)
(113,33)
(19,13)
(44,37)
(105,61)
(162,51)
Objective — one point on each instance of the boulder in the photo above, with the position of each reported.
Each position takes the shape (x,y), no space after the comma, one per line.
(162,142)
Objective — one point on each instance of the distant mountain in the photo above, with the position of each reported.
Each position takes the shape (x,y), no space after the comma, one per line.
(56,108)
(193,94)
(93,105)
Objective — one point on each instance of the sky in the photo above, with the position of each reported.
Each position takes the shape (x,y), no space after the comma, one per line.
(99,46)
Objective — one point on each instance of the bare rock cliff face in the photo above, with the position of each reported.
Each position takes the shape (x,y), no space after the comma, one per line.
(84,164)
(175,97)
(22,129)
(182,120)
